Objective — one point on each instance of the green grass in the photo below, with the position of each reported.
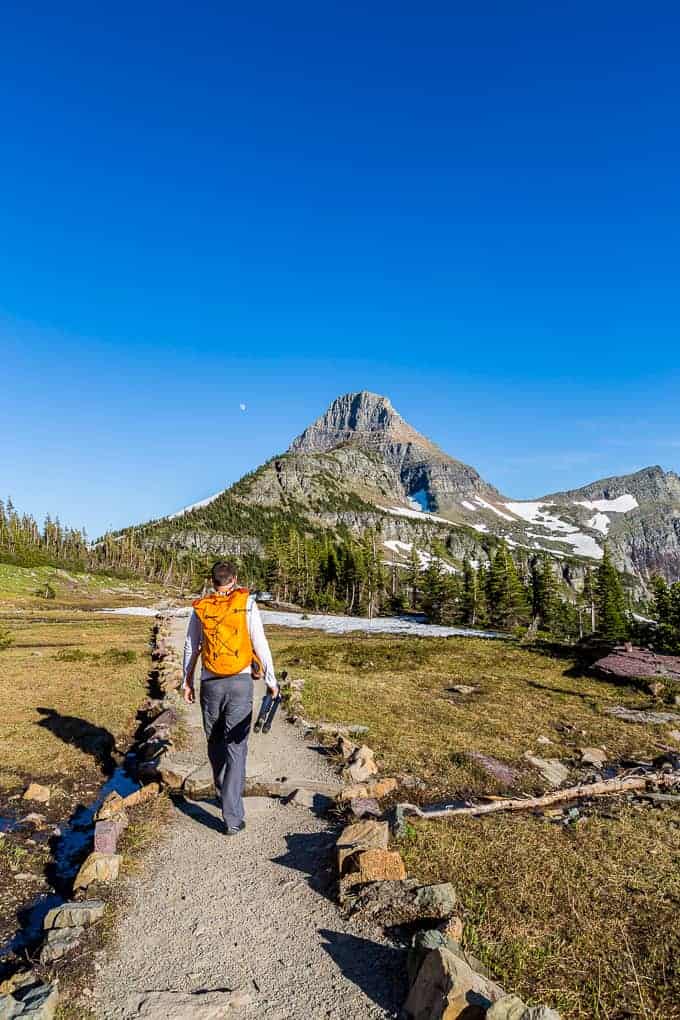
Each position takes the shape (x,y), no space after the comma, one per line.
(20,587)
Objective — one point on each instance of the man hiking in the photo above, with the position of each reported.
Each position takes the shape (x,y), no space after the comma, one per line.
(226,628)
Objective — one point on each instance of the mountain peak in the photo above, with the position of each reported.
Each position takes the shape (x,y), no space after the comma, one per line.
(362,417)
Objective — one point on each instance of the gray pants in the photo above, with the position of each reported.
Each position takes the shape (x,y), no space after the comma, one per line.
(227,708)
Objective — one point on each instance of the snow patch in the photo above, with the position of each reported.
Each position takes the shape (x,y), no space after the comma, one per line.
(467,505)
(402,511)
(194,506)
(620,505)
(480,527)
(334,624)
(535,514)
(424,558)
(489,506)
(600,522)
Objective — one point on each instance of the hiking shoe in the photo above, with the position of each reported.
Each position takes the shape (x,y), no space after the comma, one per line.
(234,832)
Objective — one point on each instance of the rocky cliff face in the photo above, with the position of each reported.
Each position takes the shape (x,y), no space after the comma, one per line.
(361,465)
(422,470)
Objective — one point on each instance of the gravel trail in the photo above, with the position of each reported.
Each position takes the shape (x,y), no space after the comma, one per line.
(249,915)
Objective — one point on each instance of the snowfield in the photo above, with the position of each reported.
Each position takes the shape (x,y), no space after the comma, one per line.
(621,505)
(420,515)
(333,624)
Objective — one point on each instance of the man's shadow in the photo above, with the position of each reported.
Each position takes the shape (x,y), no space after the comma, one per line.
(93,740)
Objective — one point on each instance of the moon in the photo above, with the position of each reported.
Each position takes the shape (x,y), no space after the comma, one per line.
(242,406)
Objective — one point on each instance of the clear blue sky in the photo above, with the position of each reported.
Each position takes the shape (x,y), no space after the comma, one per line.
(472,208)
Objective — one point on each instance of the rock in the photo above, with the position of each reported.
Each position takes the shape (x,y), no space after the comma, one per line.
(421,944)
(110,806)
(362,764)
(97,867)
(674,735)
(498,770)
(166,719)
(39,793)
(462,689)
(446,988)
(363,807)
(35,819)
(316,802)
(635,663)
(346,748)
(543,740)
(176,768)
(141,795)
(187,1005)
(74,914)
(372,866)
(594,756)
(364,835)
(435,901)
(107,832)
(199,784)
(551,769)
(34,1001)
(640,716)
(392,903)
(60,941)
(379,789)
(511,1007)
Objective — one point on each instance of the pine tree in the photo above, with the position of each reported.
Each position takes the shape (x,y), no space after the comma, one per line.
(469,596)
(507,597)
(545,601)
(609,601)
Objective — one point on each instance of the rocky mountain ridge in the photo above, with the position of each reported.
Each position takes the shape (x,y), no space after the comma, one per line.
(360,464)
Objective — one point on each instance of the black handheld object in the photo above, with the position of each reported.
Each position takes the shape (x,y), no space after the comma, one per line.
(268,709)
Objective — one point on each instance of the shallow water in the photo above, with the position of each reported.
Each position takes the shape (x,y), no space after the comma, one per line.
(70,848)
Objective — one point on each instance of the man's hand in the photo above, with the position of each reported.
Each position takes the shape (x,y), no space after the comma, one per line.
(273,690)
(189,693)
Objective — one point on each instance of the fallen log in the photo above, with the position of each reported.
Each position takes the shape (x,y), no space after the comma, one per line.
(603,789)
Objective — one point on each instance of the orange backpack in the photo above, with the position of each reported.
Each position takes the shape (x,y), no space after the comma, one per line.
(226,647)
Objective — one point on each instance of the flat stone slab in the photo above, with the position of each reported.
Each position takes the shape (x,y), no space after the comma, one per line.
(551,769)
(188,1005)
(642,716)
(74,914)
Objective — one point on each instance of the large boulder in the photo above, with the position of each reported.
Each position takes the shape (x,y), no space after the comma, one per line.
(446,988)
(629,663)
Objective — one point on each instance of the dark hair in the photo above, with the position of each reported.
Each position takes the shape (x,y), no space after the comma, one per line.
(222,573)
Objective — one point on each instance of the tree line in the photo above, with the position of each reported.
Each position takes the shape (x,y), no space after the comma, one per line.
(342,572)
(24,542)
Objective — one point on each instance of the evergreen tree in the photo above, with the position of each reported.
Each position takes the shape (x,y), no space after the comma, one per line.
(469,596)
(507,597)
(609,601)
(545,600)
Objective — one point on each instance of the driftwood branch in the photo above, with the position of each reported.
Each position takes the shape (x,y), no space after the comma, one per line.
(604,789)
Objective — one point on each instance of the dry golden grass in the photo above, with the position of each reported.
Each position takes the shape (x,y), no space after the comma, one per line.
(582,917)
(60,717)
(397,686)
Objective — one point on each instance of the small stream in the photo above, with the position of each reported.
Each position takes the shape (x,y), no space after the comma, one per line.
(69,847)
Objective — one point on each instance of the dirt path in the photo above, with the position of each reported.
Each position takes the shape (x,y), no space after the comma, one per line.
(248,913)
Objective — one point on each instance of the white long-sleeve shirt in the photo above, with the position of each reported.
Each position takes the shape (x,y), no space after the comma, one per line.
(194,640)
